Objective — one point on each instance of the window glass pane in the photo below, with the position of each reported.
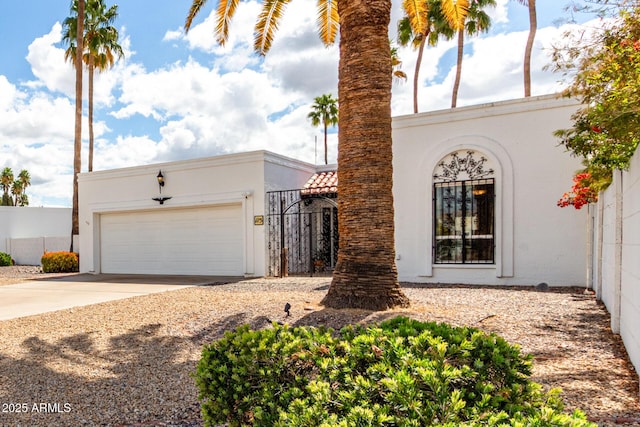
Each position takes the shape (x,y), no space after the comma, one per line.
(464,221)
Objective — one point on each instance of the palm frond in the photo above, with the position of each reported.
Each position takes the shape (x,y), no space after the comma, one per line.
(328,20)
(193,11)
(226,10)
(267,24)
(417,12)
(455,12)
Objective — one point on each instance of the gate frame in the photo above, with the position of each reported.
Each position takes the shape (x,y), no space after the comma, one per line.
(278,262)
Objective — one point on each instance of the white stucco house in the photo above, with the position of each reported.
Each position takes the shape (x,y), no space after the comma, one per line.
(210,221)
(475,191)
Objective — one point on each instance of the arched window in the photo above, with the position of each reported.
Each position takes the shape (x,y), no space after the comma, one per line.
(464,209)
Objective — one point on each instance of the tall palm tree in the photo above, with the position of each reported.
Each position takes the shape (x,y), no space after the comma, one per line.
(533,26)
(475,22)
(25,178)
(365,275)
(424,22)
(19,187)
(23,181)
(6,181)
(77,142)
(100,48)
(16,190)
(324,111)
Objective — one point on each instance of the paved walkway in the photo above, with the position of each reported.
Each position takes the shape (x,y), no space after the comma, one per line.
(38,296)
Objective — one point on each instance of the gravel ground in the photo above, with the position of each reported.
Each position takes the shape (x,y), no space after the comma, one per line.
(128,362)
(19,273)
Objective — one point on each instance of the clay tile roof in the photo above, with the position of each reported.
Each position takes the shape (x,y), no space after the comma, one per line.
(321,183)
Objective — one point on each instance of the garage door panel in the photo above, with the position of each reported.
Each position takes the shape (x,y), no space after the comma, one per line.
(181,241)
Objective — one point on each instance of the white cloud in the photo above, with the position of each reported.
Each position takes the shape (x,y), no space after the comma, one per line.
(498,13)
(10,94)
(48,64)
(55,74)
(128,150)
(36,119)
(240,37)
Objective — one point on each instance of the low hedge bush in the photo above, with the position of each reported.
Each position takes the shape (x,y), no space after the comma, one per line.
(400,373)
(5,259)
(59,262)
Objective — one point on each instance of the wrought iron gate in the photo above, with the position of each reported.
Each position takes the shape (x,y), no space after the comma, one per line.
(302,233)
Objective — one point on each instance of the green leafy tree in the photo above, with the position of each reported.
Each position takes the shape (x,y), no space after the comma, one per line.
(324,111)
(607,82)
(424,22)
(101,47)
(476,21)
(365,275)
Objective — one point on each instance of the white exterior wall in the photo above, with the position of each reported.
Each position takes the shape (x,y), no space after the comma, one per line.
(618,285)
(630,268)
(30,226)
(535,240)
(228,179)
(609,289)
(29,251)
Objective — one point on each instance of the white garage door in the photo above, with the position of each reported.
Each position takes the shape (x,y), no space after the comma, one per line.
(202,241)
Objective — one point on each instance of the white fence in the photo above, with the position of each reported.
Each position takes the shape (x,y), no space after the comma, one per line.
(29,251)
(616,255)
(27,232)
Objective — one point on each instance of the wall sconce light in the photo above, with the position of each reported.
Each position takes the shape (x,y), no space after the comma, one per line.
(160,199)
(160,180)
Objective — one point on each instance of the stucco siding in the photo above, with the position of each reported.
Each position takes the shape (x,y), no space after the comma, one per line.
(630,265)
(535,240)
(198,183)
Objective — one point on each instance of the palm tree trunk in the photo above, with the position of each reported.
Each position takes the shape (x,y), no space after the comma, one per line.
(456,84)
(365,275)
(91,72)
(326,159)
(533,26)
(416,80)
(77,144)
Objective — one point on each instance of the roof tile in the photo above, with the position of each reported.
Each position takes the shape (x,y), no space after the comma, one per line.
(321,183)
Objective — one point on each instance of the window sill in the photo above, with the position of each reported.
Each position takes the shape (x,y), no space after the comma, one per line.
(465,266)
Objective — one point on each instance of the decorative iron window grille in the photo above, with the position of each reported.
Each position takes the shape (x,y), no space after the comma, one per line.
(464,222)
(456,164)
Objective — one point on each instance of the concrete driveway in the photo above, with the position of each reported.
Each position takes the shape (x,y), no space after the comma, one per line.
(36,296)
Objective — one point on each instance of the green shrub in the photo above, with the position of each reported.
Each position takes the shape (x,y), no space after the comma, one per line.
(5,260)
(399,373)
(59,262)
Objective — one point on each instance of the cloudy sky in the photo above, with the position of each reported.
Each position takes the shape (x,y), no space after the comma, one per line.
(179,96)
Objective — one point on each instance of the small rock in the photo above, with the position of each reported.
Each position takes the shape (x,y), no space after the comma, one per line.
(542,287)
